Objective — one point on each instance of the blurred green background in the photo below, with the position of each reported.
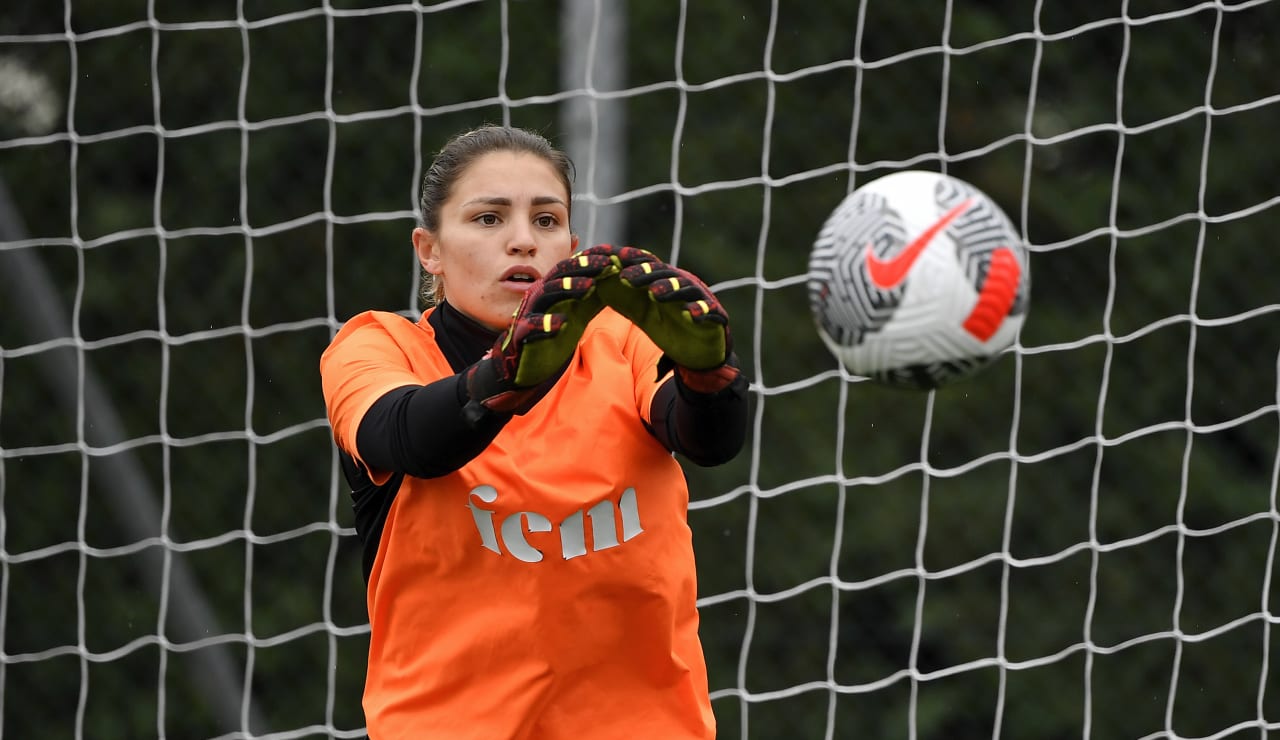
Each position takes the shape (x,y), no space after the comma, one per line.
(1078,542)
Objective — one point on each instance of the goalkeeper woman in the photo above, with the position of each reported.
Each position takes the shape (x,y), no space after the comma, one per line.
(529,566)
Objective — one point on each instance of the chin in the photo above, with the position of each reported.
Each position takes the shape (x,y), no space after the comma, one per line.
(501,318)
(494,317)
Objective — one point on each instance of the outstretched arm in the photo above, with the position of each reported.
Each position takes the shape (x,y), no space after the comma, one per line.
(431,430)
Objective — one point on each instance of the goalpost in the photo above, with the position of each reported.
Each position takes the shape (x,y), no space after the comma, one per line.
(1079,542)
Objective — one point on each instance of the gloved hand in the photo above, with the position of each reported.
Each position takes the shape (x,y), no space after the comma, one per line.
(530,354)
(678,312)
(622,257)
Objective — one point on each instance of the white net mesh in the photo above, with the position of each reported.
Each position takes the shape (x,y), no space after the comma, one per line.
(1079,542)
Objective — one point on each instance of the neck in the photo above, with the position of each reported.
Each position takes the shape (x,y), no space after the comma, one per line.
(463,339)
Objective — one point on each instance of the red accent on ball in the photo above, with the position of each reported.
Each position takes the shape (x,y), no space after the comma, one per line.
(998,292)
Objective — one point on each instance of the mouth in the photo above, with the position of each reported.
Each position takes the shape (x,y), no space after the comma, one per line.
(520,277)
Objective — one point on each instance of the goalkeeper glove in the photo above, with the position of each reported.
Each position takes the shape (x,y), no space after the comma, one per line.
(678,312)
(528,357)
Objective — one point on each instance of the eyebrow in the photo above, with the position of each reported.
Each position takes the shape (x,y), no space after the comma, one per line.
(496,200)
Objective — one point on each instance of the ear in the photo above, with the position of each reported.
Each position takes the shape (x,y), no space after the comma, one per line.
(573,243)
(427,247)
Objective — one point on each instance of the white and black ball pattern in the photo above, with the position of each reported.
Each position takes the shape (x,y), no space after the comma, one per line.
(918,279)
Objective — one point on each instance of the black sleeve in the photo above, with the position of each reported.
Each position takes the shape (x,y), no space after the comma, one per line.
(371,503)
(420,430)
(707,428)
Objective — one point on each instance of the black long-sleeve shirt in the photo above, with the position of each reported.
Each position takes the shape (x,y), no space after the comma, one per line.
(420,430)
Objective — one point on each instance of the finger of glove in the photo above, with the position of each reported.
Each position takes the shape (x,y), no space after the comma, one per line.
(545,350)
(677,288)
(672,285)
(666,283)
(628,256)
(649,273)
(530,353)
(641,275)
(696,300)
(551,293)
(523,328)
(694,333)
(694,344)
(541,343)
(535,326)
(622,257)
(647,287)
(593,265)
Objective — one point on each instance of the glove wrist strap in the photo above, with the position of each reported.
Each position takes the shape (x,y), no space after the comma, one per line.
(708,382)
(476,414)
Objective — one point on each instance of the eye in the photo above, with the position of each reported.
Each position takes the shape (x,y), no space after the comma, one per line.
(487,219)
(546,221)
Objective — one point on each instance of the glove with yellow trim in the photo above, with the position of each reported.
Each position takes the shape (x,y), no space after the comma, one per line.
(678,312)
(529,356)
(622,257)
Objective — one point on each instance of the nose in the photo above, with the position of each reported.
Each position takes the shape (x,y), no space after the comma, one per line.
(521,241)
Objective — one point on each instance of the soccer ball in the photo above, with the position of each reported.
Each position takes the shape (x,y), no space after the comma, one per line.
(918,279)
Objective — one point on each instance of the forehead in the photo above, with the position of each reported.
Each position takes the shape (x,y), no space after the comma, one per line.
(507,174)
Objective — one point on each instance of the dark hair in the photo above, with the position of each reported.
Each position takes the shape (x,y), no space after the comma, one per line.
(456,156)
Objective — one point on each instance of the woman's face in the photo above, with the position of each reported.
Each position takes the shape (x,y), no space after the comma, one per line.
(503,226)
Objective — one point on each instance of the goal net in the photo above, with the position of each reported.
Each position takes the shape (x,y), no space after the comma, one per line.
(1078,542)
